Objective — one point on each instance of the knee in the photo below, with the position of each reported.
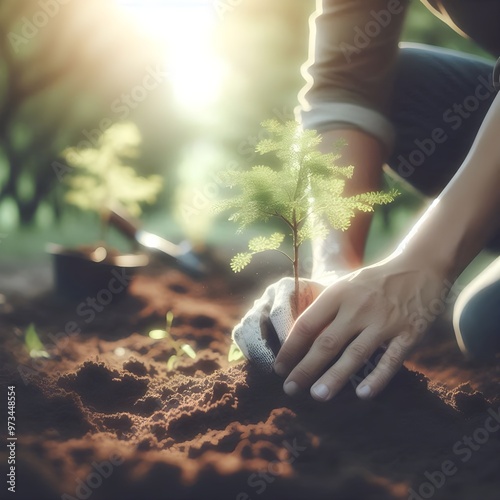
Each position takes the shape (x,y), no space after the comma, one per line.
(476,321)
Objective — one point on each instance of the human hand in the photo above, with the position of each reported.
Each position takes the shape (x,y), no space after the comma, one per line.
(265,326)
(383,305)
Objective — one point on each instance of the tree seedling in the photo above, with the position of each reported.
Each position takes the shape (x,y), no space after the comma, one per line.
(103,176)
(305,190)
(180,348)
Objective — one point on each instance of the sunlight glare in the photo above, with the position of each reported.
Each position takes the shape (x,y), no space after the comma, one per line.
(185,29)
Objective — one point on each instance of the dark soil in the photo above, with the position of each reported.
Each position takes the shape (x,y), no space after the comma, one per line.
(104,419)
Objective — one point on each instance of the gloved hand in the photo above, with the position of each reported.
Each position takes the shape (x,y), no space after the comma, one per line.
(266,325)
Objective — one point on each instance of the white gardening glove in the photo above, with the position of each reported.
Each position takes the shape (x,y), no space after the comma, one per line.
(264,328)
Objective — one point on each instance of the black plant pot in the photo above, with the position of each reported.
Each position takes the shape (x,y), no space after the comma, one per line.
(93,272)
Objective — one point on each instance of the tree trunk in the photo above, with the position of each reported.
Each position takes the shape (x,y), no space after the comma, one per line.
(296,277)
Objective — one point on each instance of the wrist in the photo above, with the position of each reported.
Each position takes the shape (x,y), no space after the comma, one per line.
(438,245)
(424,259)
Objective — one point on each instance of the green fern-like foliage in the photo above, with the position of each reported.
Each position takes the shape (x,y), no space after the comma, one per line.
(103,176)
(306,189)
(256,245)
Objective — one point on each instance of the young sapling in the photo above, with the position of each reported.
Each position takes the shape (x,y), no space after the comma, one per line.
(305,190)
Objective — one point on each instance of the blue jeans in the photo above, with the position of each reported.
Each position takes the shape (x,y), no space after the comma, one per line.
(439,101)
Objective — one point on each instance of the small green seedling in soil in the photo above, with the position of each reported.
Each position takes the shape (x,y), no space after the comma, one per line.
(305,190)
(235,353)
(103,176)
(180,349)
(33,343)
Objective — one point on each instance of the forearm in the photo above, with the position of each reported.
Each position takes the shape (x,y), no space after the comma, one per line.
(467,213)
(347,96)
(346,248)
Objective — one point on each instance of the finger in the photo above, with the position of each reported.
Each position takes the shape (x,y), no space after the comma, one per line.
(307,327)
(324,350)
(389,364)
(355,355)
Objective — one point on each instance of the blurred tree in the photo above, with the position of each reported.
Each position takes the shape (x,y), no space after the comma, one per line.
(68,70)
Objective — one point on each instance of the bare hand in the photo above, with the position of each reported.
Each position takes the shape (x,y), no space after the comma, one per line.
(385,305)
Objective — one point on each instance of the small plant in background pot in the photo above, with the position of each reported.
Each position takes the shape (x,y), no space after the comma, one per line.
(101,178)
(305,190)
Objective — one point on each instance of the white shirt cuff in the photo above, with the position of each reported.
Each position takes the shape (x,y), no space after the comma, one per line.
(332,115)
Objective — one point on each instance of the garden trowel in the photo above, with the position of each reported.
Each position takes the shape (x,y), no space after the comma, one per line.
(182,255)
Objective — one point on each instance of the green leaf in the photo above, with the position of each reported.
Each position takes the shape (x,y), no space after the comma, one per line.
(261,244)
(32,340)
(169,319)
(188,350)
(158,334)
(240,261)
(33,343)
(235,353)
(312,229)
(172,362)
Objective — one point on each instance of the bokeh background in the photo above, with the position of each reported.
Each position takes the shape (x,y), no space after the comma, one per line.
(197,77)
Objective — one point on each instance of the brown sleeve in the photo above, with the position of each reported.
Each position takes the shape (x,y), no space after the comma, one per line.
(353,48)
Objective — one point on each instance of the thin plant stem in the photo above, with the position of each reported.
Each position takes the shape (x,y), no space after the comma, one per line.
(296,261)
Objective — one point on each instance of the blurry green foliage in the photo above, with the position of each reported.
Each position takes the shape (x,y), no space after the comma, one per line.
(103,178)
(61,74)
(424,27)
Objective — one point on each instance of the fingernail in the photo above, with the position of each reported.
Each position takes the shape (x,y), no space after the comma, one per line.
(364,391)
(320,391)
(280,369)
(291,388)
